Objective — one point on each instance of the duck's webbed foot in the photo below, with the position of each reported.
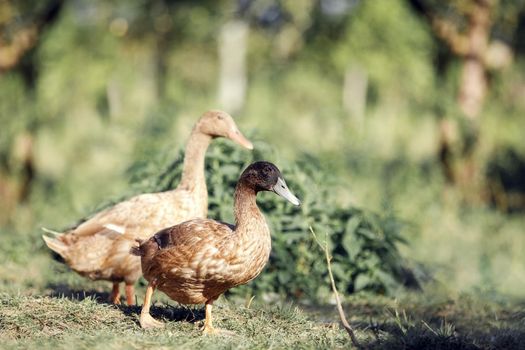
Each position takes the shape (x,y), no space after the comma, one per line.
(210,330)
(148,322)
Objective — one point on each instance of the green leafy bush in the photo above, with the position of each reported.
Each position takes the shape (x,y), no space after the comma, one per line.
(363,244)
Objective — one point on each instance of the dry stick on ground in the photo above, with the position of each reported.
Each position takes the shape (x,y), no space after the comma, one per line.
(342,316)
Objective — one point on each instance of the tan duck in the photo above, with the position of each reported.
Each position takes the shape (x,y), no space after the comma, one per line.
(198,260)
(99,247)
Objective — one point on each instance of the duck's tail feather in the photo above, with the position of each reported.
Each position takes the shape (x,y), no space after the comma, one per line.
(56,245)
(137,250)
(55,233)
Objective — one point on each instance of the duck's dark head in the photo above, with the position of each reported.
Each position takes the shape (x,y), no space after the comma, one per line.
(217,123)
(265,176)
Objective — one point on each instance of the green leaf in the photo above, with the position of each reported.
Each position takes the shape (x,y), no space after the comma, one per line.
(367,233)
(339,272)
(283,277)
(352,245)
(361,282)
(350,242)
(352,224)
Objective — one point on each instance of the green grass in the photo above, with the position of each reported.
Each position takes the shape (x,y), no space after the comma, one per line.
(424,321)
(44,305)
(58,322)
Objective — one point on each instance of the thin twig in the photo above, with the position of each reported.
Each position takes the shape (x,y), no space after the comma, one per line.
(342,316)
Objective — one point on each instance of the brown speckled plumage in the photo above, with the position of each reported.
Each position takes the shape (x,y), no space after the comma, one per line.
(198,260)
(99,247)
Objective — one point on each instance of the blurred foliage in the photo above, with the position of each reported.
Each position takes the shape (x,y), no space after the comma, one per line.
(366,43)
(363,244)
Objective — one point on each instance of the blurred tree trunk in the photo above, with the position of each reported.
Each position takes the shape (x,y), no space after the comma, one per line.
(20,36)
(232,57)
(470,45)
(162,50)
(472,91)
(473,81)
(355,93)
(12,51)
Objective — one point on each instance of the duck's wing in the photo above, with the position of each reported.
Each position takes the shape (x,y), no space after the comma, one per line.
(192,234)
(196,250)
(181,244)
(123,217)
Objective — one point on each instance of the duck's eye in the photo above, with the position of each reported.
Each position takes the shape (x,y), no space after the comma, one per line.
(220,117)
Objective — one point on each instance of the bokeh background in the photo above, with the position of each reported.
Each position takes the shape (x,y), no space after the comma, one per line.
(410,109)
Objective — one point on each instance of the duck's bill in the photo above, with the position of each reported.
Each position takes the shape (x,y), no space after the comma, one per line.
(282,190)
(239,138)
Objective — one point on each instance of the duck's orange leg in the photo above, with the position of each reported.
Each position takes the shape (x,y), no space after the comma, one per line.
(115,294)
(208,322)
(208,326)
(146,321)
(130,294)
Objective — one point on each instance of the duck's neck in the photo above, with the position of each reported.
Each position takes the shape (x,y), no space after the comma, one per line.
(193,168)
(253,241)
(248,217)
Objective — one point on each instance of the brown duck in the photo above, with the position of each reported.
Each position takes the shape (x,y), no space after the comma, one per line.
(99,247)
(198,260)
